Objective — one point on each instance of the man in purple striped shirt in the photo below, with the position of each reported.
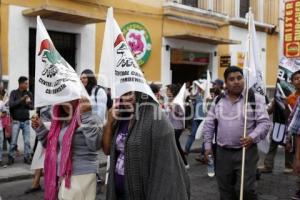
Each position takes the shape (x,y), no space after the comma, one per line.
(226,120)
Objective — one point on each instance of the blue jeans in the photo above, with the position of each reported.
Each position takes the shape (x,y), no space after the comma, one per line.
(1,143)
(17,125)
(191,137)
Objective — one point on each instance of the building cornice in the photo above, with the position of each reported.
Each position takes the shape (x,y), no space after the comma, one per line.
(208,18)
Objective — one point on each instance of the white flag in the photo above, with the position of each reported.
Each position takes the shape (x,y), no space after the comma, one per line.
(200,83)
(55,80)
(207,95)
(180,98)
(118,68)
(252,63)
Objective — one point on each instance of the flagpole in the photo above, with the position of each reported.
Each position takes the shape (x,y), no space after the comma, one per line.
(245,109)
(244,135)
(283,95)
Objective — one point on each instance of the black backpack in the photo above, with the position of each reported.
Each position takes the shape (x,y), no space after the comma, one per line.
(109,99)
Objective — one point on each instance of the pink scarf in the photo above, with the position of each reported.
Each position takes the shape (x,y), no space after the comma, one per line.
(51,179)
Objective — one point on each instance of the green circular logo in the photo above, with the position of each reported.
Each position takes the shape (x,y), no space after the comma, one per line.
(139,41)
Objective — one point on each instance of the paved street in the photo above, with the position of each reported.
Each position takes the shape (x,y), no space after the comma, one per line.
(276,186)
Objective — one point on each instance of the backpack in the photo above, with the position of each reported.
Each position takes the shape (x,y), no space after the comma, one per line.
(109,100)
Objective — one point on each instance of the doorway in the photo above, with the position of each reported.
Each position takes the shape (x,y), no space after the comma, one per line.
(187,66)
(182,73)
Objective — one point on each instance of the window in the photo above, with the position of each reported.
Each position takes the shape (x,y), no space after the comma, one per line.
(218,5)
(65,43)
(192,3)
(244,7)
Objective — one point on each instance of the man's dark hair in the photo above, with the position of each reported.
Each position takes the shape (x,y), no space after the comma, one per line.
(232,69)
(174,88)
(92,81)
(294,74)
(155,88)
(22,79)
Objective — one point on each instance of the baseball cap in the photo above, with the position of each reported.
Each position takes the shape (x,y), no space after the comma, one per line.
(218,82)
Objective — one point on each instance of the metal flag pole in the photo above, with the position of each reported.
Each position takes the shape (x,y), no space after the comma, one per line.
(245,106)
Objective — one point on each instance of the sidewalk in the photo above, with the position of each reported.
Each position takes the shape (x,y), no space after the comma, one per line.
(19,170)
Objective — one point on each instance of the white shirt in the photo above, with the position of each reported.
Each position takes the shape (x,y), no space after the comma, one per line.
(99,107)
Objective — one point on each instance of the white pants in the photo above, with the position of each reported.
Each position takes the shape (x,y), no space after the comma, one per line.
(83,187)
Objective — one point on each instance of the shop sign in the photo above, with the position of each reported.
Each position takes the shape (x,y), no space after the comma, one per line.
(188,57)
(139,41)
(225,61)
(292,29)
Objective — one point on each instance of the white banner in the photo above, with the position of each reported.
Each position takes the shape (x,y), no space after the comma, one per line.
(284,88)
(252,63)
(207,95)
(180,98)
(118,68)
(55,80)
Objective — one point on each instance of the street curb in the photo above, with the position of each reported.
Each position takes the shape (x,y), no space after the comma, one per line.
(16,178)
